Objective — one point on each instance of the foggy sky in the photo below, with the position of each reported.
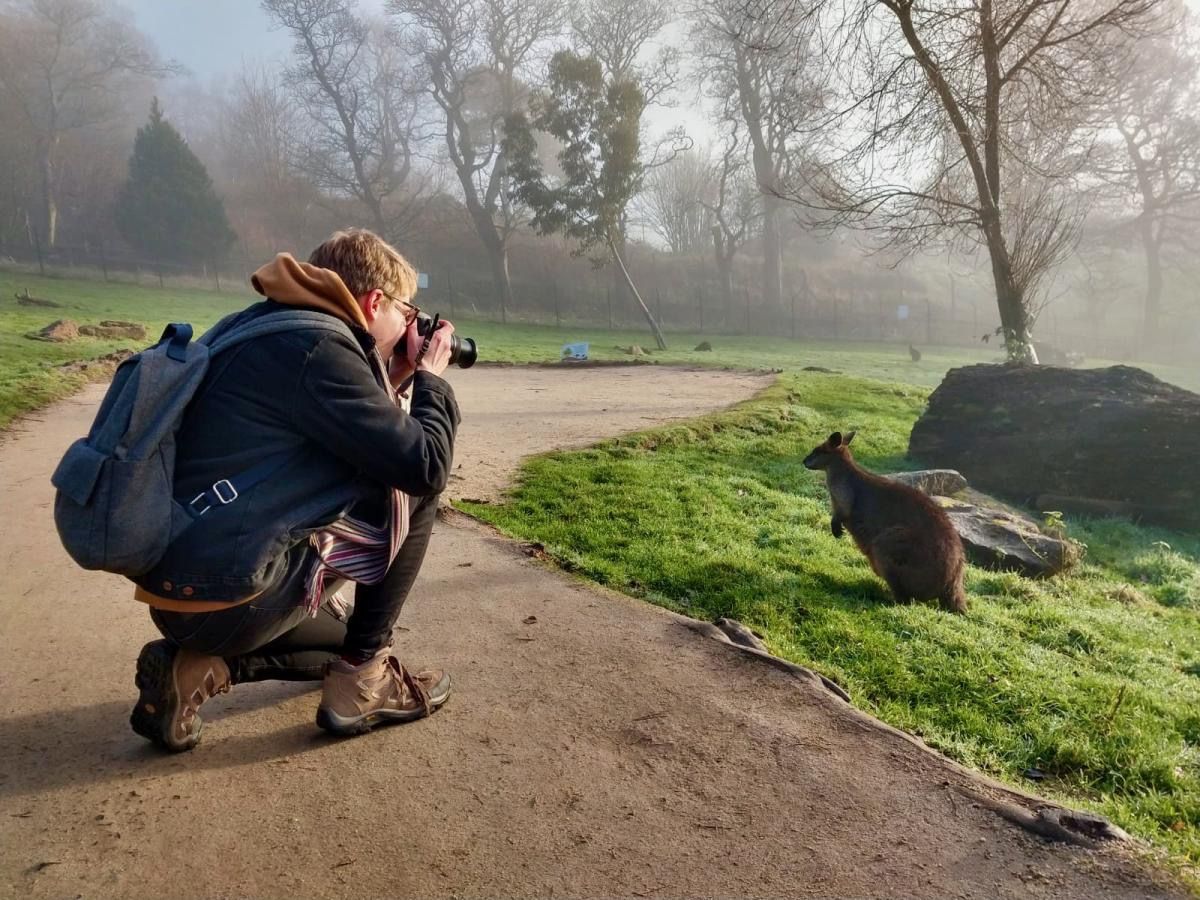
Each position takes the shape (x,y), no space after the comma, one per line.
(213,37)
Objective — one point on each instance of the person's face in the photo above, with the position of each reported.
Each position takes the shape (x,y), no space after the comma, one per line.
(387,318)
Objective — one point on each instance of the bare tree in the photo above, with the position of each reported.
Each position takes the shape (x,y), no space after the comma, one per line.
(361,99)
(620,33)
(257,164)
(736,208)
(1155,113)
(677,199)
(65,63)
(758,67)
(479,54)
(972,119)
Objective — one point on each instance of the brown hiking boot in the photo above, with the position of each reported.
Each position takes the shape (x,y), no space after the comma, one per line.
(174,684)
(377,691)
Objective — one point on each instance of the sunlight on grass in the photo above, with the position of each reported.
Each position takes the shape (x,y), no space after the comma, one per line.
(1091,677)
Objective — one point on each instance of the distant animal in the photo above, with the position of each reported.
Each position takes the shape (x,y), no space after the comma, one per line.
(907,538)
(914,353)
(24,299)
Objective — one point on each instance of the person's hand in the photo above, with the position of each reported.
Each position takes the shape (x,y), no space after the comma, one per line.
(437,357)
(399,370)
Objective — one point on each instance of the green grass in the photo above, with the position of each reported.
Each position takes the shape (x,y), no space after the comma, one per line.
(29,379)
(1091,677)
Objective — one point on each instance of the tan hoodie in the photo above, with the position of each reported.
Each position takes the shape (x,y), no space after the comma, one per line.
(291,282)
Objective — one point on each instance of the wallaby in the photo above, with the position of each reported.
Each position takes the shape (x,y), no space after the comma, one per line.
(905,535)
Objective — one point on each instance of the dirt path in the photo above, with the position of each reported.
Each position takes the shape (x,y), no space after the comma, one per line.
(604,749)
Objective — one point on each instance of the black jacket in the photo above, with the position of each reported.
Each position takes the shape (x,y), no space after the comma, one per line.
(310,396)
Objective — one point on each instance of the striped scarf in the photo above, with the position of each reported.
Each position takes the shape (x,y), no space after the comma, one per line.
(357,551)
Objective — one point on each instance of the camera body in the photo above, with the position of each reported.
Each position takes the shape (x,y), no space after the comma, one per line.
(463,352)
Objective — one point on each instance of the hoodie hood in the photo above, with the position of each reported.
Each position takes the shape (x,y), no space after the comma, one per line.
(288,281)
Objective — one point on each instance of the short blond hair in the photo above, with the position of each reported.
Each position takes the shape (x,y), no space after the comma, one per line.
(365,261)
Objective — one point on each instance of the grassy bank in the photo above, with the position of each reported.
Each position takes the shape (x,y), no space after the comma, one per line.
(1092,678)
(29,378)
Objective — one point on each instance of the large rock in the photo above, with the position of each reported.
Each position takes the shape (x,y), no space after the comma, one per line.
(1113,439)
(115,329)
(998,539)
(942,482)
(57,332)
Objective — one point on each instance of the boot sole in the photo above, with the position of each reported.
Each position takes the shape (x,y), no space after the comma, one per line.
(351,725)
(159,699)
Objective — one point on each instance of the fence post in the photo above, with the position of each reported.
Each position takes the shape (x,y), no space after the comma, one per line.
(217,275)
(658,305)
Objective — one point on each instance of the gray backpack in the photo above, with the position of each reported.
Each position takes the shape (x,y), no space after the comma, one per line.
(115,508)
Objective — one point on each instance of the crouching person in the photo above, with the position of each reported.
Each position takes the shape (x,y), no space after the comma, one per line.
(308,459)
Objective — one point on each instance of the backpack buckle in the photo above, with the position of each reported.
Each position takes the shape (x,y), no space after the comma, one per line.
(229,488)
(223,490)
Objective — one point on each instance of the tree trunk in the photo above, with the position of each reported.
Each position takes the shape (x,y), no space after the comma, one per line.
(498,257)
(725,276)
(723,255)
(1014,316)
(658,335)
(772,274)
(1154,284)
(49,207)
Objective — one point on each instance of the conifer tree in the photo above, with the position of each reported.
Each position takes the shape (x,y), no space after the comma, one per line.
(168,208)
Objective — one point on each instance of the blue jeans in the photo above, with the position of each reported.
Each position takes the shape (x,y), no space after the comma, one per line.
(273,637)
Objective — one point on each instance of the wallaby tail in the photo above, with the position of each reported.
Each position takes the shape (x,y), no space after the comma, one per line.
(955,600)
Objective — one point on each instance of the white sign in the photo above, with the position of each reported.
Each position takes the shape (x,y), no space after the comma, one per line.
(902,311)
(423,280)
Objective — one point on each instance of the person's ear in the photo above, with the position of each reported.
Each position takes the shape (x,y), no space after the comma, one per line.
(371,302)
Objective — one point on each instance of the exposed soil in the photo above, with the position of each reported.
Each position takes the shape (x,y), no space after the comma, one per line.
(599,748)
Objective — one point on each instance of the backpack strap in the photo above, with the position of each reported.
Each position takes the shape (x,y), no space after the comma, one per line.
(226,490)
(178,334)
(227,334)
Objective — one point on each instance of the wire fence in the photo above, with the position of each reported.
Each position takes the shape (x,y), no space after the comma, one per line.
(687,299)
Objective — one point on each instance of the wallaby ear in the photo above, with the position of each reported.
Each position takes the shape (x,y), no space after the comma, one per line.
(848,438)
(835,439)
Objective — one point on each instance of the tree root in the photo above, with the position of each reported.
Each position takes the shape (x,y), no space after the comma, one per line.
(1034,814)
(734,634)
(1055,823)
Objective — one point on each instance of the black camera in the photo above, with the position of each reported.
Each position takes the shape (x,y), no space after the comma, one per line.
(462,350)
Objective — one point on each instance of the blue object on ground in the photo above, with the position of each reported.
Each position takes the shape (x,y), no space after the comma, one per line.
(575,351)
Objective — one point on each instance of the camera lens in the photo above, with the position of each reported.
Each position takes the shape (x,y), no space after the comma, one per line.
(462,352)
